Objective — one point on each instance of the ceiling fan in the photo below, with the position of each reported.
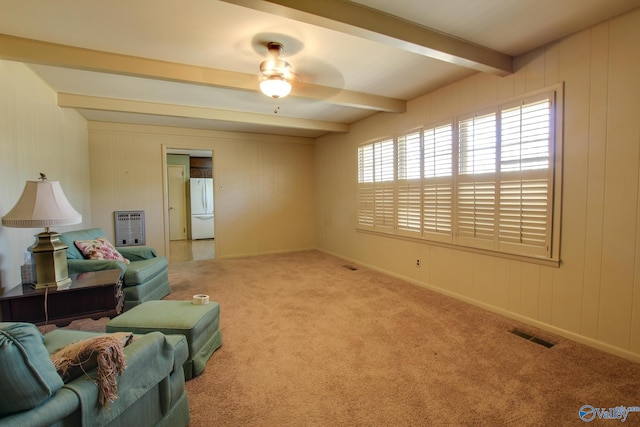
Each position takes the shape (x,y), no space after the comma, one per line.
(277,73)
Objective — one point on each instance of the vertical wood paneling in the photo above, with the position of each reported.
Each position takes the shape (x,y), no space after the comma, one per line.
(596,289)
(630,30)
(595,178)
(74,129)
(463,277)
(331,222)
(486,89)
(264,187)
(533,70)
(551,68)
(506,86)
(465,94)
(621,190)
(545,308)
(573,68)
(500,292)
(483,278)
(285,180)
(237,169)
(446,101)
(442,266)
(530,290)
(519,82)
(95,154)
(515,286)
(634,335)
(36,136)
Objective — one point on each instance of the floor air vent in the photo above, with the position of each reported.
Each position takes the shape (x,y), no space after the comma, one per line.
(350,267)
(532,338)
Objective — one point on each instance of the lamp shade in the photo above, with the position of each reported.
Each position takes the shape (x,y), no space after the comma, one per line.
(275,87)
(42,204)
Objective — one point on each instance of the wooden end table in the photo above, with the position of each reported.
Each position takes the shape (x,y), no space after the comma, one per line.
(93,295)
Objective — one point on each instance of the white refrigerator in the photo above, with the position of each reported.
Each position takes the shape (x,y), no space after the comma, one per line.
(201,208)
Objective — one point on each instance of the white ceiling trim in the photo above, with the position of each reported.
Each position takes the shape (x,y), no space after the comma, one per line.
(70,100)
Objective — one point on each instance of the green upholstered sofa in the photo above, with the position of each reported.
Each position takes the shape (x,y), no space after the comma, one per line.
(150,391)
(145,278)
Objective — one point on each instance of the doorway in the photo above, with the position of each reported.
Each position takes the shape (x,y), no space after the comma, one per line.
(186,170)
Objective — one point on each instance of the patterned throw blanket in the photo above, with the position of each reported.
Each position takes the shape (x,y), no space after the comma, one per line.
(105,352)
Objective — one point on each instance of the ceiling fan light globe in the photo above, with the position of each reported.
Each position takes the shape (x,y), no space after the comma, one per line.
(275,87)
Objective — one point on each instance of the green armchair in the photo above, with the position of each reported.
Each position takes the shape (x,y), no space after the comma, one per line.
(151,389)
(145,278)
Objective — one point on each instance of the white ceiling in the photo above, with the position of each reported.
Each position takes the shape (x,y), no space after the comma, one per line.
(202,56)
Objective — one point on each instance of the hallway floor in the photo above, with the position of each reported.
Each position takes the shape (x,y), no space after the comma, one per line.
(191,250)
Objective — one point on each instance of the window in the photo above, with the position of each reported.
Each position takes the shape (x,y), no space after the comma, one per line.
(483,180)
(409,202)
(376,176)
(476,183)
(437,184)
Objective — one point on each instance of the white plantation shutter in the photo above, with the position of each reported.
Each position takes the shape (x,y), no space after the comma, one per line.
(409,159)
(384,187)
(437,210)
(524,131)
(484,180)
(409,208)
(526,179)
(365,187)
(365,206)
(383,157)
(384,200)
(438,182)
(476,188)
(438,151)
(477,144)
(365,163)
(524,214)
(376,186)
(476,213)
(409,199)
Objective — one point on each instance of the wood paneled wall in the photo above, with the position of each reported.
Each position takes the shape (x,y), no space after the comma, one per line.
(264,184)
(36,136)
(594,296)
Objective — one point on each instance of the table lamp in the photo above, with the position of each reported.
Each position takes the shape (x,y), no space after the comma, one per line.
(43,204)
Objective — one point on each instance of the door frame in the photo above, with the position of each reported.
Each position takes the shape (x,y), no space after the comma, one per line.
(165,191)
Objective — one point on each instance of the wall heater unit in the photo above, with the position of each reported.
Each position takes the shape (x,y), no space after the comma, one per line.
(129,228)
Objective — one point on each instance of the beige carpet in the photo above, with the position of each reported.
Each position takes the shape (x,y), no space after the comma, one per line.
(308,342)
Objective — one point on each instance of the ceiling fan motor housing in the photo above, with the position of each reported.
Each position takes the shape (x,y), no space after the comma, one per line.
(276,73)
(275,66)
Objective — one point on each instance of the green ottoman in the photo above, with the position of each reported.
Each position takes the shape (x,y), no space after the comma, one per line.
(200,324)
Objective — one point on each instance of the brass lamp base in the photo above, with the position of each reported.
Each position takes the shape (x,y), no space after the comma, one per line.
(50,259)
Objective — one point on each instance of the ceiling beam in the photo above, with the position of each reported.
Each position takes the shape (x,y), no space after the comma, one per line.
(70,100)
(57,55)
(358,20)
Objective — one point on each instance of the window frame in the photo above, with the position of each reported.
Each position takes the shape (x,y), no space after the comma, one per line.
(516,233)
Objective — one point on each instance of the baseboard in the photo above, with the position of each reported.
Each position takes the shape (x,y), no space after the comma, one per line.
(608,348)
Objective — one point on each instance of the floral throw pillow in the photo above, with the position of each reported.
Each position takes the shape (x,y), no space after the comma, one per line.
(99,248)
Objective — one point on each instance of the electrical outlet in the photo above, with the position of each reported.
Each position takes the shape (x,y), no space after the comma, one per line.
(418,263)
